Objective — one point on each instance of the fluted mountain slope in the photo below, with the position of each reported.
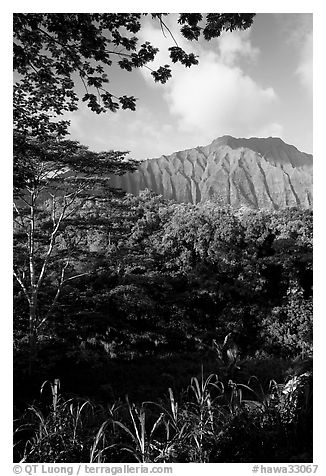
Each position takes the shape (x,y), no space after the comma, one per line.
(255,172)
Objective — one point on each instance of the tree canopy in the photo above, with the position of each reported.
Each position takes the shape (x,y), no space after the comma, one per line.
(53,51)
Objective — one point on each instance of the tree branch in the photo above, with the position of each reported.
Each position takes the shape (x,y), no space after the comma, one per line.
(22,285)
(53,209)
(168,29)
(19,214)
(20,224)
(54,233)
(56,297)
(76,276)
(50,248)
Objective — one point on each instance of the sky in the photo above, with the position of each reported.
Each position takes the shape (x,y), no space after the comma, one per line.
(252,83)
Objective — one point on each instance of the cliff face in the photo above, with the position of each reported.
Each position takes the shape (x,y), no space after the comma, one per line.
(259,173)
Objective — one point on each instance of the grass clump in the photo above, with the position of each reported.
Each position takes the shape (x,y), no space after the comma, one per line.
(210,421)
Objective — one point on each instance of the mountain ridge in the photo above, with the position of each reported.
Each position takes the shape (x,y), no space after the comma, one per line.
(255,172)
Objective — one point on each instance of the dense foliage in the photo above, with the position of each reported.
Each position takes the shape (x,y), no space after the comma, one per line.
(159,280)
(182,275)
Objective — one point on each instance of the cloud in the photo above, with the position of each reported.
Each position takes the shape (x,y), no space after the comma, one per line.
(293,27)
(204,102)
(218,98)
(297,31)
(141,132)
(215,97)
(163,42)
(233,45)
(305,68)
(273,129)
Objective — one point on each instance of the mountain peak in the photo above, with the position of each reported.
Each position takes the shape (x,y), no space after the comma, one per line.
(274,149)
(248,142)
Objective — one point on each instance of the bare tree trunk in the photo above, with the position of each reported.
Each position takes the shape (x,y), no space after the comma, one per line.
(33,287)
(32,337)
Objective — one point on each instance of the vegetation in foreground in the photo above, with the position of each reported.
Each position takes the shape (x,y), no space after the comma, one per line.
(208,422)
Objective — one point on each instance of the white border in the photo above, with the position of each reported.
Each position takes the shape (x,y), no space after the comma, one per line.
(277,6)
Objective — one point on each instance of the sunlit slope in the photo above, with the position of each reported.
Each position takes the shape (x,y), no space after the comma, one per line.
(255,172)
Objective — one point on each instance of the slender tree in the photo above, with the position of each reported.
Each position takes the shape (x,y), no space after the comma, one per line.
(62,177)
